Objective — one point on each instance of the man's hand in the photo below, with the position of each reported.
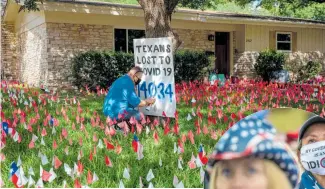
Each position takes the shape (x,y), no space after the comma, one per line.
(150,101)
(147,102)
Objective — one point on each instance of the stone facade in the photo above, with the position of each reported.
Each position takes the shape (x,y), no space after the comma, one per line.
(244,64)
(196,39)
(46,51)
(9,52)
(67,40)
(305,57)
(43,54)
(32,59)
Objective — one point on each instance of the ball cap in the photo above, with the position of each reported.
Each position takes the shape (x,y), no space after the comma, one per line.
(312,120)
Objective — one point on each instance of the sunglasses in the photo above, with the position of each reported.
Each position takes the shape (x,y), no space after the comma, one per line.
(135,74)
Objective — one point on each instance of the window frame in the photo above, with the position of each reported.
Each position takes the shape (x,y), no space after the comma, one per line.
(127,36)
(276,41)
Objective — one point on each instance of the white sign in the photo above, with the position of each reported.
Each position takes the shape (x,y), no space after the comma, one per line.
(155,57)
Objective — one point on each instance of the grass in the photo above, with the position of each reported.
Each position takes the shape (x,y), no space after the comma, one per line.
(110,177)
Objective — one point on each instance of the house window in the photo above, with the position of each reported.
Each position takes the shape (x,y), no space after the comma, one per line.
(284,41)
(124,39)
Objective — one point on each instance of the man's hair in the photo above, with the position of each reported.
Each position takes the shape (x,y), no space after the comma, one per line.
(135,70)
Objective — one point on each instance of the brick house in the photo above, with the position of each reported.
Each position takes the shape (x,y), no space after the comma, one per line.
(37,47)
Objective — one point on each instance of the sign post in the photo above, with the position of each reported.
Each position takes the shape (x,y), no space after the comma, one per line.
(155,57)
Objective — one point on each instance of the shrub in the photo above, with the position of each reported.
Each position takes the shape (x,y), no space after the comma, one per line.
(310,70)
(294,66)
(268,62)
(102,68)
(190,65)
(95,68)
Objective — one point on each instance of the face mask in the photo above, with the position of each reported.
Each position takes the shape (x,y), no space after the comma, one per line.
(137,82)
(312,157)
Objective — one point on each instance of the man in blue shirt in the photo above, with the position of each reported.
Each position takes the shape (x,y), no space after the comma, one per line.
(122,101)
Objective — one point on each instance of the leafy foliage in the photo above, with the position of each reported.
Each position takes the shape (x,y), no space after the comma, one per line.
(294,66)
(102,68)
(194,4)
(96,68)
(235,8)
(310,70)
(190,65)
(314,11)
(268,62)
(30,5)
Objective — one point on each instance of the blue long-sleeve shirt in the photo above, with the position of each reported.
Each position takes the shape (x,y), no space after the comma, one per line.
(120,98)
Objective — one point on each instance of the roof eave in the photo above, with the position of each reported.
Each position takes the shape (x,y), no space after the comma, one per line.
(181,14)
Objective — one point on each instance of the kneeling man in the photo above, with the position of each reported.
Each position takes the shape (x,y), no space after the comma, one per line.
(122,101)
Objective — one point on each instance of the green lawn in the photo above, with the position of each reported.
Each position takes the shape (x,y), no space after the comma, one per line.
(110,177)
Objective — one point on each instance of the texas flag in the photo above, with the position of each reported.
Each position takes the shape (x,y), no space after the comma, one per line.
(202,156)
(7,128)
(14,174)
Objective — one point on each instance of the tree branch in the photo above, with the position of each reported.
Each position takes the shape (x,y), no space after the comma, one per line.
(171,5)
(29,5)
(143,3)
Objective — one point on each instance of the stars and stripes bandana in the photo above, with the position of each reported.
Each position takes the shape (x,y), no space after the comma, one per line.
(262,114)
(309,182)
(254,137)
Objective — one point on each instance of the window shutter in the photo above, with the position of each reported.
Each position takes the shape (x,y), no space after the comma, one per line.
(294,41)
(272,40)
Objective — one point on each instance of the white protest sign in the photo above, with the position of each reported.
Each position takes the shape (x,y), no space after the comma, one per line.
(155,57)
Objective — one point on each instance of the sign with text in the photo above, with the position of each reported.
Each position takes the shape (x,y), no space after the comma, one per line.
(155,57)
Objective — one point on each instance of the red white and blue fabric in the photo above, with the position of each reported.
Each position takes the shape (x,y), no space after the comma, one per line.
(5,126)
(14,174)
(262,114)
(254,137)
(202,157)
(135,143)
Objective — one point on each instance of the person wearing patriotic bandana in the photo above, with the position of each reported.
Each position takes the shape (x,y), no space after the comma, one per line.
(311,153)
(249,156)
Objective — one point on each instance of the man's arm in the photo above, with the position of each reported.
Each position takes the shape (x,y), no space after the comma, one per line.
(135,101)
(143,103)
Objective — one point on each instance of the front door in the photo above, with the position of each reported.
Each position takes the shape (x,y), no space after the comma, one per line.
(222,62)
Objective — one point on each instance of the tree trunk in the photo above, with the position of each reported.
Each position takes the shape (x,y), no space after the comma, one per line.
(157,17)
